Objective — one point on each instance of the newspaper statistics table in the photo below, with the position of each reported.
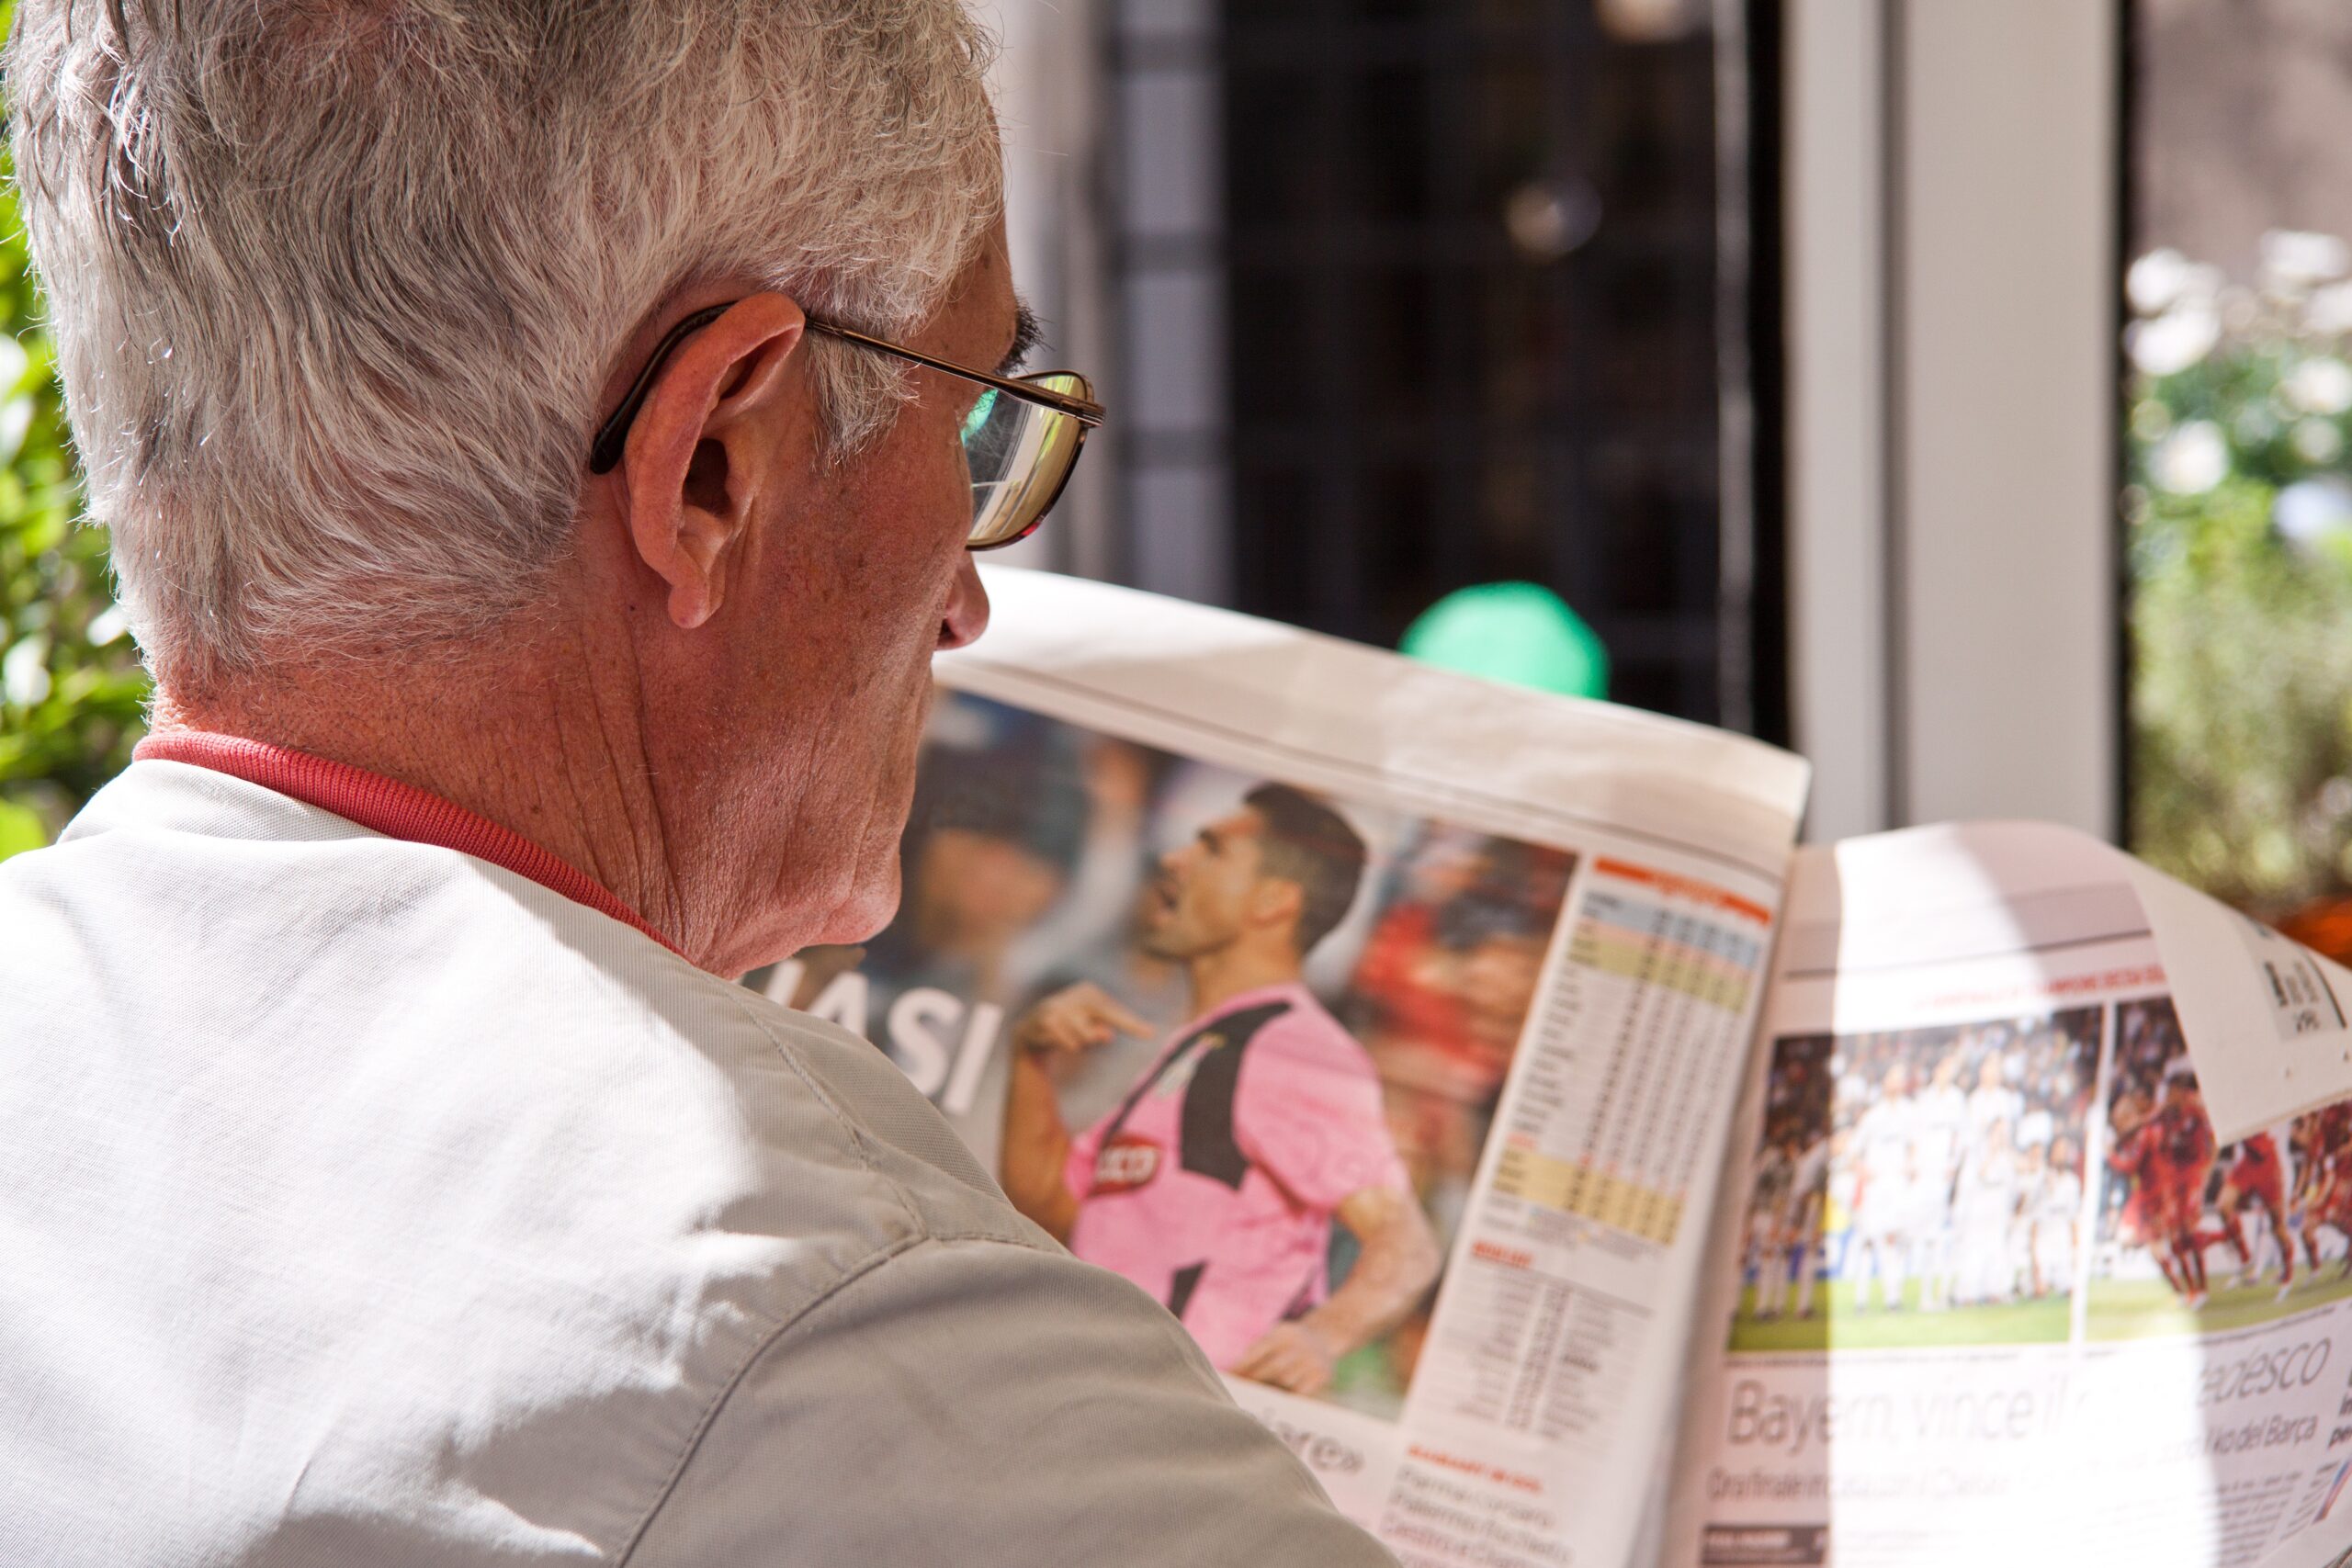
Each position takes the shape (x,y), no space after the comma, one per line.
(1658,970)
(1599,1139)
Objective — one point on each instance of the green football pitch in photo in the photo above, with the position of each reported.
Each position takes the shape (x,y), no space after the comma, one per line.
(2119,1309)
(2148,1309)
(1837,1325)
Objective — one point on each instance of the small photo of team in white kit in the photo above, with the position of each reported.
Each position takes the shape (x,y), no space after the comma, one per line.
(1919,1187)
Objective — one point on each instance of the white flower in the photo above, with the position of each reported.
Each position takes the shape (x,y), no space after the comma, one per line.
(2329,311)
(15,418)
(2169,344)
(2311,509)
(2322,385)
(2317,442)
(2157,280)
(2193,460)
(2300,261)
(24,671)
(108,625)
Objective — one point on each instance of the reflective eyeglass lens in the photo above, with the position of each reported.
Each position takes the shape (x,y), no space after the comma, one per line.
(1019,455)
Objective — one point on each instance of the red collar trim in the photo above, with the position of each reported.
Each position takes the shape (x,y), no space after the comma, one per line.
(390,807)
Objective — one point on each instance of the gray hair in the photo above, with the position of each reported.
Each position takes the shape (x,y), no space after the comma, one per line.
(336,284)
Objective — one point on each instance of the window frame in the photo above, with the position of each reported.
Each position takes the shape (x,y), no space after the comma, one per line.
(1953,298)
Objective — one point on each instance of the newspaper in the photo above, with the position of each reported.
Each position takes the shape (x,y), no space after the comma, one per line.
(2007,1270)
(2325,1543)
(1570,1170)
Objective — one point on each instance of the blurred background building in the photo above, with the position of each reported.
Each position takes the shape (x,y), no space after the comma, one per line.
(1394,297)
(1781,339)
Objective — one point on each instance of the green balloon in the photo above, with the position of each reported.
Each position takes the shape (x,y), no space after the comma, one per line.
(1520,633)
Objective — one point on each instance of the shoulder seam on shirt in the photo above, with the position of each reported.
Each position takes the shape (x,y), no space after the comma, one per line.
(767,1342)
(856,1134)
(921,1234)
(718,1401)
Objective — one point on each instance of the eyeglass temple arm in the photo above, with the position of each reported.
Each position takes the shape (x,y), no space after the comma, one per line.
(612,437)
(1080,409)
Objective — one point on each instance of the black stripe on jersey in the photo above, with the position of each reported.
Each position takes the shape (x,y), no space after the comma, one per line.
(1180,1286)
(1206,1143)
(1134,1095)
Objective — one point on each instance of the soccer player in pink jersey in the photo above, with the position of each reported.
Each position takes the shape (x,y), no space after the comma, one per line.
(1214,1184)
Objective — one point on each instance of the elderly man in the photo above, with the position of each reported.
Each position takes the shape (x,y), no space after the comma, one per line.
(542,443)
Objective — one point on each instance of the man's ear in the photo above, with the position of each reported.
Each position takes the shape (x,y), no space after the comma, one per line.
(705,441)
(1276,901)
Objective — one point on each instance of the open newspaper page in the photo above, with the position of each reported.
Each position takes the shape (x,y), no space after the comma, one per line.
(1384,1024)
(2001,1274)
(2325,1542)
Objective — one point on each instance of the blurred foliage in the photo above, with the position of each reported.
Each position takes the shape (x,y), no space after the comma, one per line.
(2240,556)
(71,686)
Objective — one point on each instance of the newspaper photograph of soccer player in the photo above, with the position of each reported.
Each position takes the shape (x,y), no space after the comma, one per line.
(1215,1183)
(1237,1040)
(1919,1188)
(2193,1237)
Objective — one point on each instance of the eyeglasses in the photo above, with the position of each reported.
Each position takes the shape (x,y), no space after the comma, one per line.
(1021,440)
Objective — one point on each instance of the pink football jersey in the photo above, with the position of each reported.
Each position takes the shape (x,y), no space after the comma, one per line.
(1211,1185)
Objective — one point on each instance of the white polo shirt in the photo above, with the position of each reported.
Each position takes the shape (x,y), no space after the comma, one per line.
(366,1202)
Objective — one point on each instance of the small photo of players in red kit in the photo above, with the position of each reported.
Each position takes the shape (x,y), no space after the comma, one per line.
(2221,1236)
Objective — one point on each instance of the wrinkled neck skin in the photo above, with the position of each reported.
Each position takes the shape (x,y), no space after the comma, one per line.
(560,735)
